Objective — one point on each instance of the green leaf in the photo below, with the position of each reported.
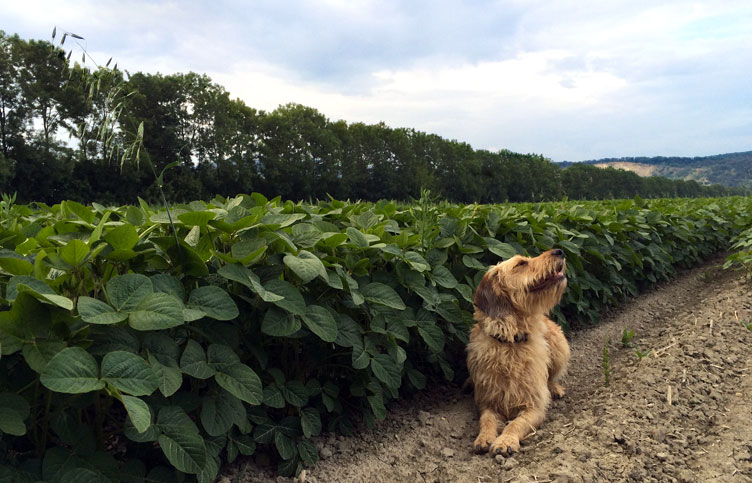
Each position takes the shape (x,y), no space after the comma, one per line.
(196,218)
(156,311)
(13,411)
(279,324)
(181,442)
(221,356)
(378,293)
(442,276)
(129,373)
(77,209)
(376,401)
(11,290)
(386,371)
(193,362)
(357,237)
(285,445)
(170,377)
(242,382)
(74,252)
(138,412)
(168,284)
(308,452)
(246,277)
(417,262)
(52,299)
(185,451)
(321,322)
(126,291)
(293,300)
(220,411)
(360,357)
(11,422)
(432,335)
(310,422)
(214,302)
(94,311)
(39,354)
(503,250)
(72,371)
(416,378)
(123,237)
(273,397)
(306,266)
(282,220)
(14,264)
(295,393)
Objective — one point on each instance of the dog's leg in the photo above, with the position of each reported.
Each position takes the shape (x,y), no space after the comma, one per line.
(559,352)
(489,428)
(517,429)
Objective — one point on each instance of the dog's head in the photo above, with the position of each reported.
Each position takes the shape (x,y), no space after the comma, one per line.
(522,286)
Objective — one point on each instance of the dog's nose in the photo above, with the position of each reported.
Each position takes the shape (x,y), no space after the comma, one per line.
(557,252)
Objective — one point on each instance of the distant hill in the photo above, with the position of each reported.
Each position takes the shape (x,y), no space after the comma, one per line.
(732,169)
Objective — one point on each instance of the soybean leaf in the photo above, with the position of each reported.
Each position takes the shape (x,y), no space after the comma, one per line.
(295,393)
(170,377)
(94,311)
(126,291)
(156,311)
(72,371)
(381,294)
(386,370)
(306,266)
(279,324)
(321,322)
(240,274)
(214,302)
(310,422)
(138,412)
(74,252)
(219,411)
(308,452)
(129,373)
(193,362)
(293,300)
(123,237)
(242,382)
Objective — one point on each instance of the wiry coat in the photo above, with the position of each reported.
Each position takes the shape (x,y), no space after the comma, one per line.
(516,353)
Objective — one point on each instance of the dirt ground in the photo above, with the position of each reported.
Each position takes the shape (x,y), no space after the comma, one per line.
(682,413)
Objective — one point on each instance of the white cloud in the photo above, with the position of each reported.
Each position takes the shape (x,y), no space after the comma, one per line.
(567,79)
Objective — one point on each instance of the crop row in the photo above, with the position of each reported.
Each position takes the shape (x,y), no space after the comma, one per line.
(181,340)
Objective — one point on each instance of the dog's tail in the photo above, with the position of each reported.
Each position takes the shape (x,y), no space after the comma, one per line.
(468,386)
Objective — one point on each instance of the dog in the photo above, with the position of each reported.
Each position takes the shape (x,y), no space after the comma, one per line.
(516,354)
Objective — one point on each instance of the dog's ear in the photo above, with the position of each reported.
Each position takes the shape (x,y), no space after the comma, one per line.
(493,304)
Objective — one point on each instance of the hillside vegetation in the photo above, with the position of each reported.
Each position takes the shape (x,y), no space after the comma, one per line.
(732,169)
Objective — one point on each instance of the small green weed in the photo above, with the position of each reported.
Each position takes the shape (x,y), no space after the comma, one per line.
(640,353)
(626,337)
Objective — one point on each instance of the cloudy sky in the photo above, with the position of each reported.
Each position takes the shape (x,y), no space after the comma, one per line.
(571,80)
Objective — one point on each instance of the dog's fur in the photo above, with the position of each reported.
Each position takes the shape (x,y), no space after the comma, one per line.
(516,354)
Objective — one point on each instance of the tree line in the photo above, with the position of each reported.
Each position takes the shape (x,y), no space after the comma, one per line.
(51,148)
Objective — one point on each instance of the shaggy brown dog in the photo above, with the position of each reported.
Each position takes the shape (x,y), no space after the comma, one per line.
(516,353)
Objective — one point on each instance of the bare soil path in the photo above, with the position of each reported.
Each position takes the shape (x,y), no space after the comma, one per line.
(683,413)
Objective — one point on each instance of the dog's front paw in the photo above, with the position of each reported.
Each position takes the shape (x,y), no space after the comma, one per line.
(557,390)
(482,444)
(505,445)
